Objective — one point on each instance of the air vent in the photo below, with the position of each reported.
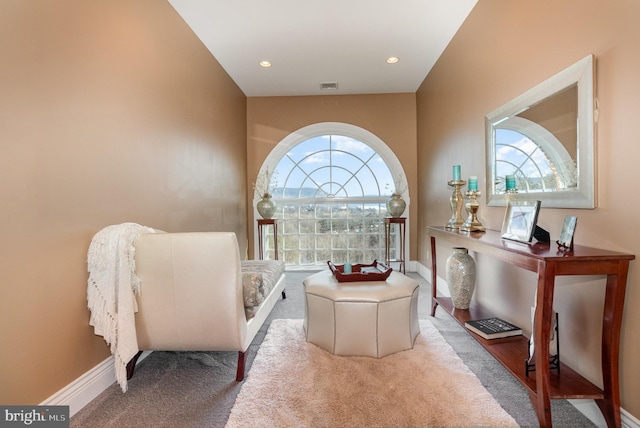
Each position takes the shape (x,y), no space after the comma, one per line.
(329,86)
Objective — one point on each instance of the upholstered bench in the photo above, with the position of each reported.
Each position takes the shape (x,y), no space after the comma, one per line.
(198,295)
(368,318)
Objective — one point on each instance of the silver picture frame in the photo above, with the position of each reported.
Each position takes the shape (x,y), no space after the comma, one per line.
(520,220)
(565,241)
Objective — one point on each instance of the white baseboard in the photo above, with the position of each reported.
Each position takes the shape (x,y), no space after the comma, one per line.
(425,272)
(628,420)
(87,387)
(422,270)
(589,408)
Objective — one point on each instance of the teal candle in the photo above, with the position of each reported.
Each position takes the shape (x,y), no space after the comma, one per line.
(347,268)
(473,183)
(511,182)
(456,173)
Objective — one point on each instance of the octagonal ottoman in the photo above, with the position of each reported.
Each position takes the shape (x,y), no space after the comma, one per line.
(367,318)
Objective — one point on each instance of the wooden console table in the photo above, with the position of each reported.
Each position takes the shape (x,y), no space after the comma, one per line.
(548,262)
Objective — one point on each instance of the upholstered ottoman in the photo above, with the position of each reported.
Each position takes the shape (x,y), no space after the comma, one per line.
(369,318)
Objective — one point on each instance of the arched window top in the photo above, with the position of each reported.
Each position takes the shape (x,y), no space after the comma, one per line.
(332,166)
(534,155)
(334,160)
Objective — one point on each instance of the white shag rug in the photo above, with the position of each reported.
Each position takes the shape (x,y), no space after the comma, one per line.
(293,383)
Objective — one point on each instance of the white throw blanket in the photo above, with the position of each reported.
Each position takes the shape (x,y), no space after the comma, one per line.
(111,291)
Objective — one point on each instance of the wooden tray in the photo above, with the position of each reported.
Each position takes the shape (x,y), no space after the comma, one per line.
(361,272)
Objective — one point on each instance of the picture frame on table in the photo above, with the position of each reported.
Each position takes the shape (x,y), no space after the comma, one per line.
(520,220)
(565,242)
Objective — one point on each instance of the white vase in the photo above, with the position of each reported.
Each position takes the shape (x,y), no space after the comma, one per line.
(266,206)
(396,205)
(461,277)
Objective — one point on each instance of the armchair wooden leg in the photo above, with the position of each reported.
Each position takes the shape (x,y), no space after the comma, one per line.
(240,370)
(131,365)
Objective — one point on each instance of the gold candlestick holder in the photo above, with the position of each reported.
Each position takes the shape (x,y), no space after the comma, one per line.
(456,201)
(472,224)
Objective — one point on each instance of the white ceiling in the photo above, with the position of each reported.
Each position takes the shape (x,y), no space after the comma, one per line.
(315,41)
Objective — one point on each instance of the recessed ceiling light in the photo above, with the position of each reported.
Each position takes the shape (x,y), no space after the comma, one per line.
(392,60)
(265,64)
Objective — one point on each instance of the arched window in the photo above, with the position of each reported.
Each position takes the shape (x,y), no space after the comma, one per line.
(534,155)
(331,182)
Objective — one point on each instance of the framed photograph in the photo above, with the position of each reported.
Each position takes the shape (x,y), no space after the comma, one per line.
(520,220)
(568,230)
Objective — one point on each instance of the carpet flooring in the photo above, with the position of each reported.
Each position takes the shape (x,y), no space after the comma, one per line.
(198,389)
(307,386)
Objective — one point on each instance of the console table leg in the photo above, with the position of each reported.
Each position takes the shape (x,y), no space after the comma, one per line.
(434,277)
(610,412)
(543,411)
(612,321)
(541,335)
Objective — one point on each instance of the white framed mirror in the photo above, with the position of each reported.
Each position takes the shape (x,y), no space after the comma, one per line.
(545,139)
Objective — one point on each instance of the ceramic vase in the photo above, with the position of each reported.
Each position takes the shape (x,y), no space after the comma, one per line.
(396,205)
(266,207)
(461,277)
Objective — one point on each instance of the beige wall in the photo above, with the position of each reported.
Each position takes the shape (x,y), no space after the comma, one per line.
(110,112)
(390,117)
(503,49)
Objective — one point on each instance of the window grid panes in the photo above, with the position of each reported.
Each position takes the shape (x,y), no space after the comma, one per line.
(337,232)
(331,193)
(533,168)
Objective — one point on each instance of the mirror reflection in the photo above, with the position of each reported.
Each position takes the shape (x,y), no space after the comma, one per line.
(544,139)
